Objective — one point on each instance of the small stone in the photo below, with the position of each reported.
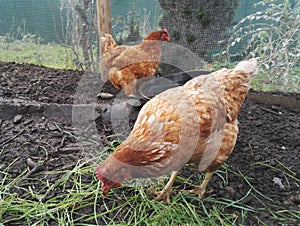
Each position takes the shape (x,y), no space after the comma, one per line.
(4,84)
(52,127)
(26,123)
(297,199)
(17,119)
(134,103)
(240,186)
(230,190)
(278,182)
(246,149)
(258,158)
(105,95)
(287,202)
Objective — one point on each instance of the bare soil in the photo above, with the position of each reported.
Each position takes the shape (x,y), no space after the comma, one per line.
(267,152)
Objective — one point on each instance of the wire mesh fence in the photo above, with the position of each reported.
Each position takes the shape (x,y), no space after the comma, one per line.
(63,33)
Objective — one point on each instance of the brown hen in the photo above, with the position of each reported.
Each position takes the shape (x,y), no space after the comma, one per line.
(123,65)
(195,123)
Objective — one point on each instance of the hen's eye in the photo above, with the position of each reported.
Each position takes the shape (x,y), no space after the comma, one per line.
(163,36)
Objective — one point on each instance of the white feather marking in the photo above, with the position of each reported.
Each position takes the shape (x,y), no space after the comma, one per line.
(155,143)
(156,158)
(151,119)
(161,155)
(162,146)
(228,116)
(160,126)
(162,152)
(144,120)
(169,123)
(154,151)
(174,146)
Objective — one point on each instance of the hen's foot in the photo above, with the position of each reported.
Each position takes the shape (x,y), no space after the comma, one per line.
(163,195)
(201,189)
(167,190)
(198,190)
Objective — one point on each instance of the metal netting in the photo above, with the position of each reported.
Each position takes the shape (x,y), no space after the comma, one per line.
(220,32)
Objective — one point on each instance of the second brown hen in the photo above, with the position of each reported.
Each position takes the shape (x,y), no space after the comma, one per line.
(125,64)
(195,123)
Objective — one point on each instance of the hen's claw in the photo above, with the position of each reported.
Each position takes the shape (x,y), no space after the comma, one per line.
(200,189)
(163,195)
(167,190)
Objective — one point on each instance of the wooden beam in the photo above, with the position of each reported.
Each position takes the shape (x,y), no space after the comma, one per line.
(104,26)
(104,20)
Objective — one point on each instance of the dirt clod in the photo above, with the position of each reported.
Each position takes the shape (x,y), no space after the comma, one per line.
(17,119)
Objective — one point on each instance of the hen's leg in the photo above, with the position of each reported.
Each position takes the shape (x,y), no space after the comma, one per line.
(167,190)
(200,189)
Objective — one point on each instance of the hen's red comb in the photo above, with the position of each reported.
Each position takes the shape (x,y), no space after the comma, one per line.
(165,30)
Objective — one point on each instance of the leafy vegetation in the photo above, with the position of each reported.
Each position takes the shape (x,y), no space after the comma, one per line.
(272,35)
(198,25)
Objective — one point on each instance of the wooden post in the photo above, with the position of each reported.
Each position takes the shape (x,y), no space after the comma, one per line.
(104,20)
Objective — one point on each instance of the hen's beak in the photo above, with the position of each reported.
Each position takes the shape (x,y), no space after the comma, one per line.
(105,189)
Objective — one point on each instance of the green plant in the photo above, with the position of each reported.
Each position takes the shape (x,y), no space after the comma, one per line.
(134,32)
(201,24)
(176,35)
(190,37)
(79,19)
(187,10)
(272,35)
(22,47)
(203,16)
(134,26)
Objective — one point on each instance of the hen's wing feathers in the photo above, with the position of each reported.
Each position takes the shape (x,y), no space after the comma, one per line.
(135,54)
(191,118)
(178,121)
(111,54)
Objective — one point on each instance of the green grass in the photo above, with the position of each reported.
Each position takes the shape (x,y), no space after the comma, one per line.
(50,55)
(81,202)
(136,210)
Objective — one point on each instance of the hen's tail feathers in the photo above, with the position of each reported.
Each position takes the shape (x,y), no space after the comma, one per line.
(248,66)
(108,42)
